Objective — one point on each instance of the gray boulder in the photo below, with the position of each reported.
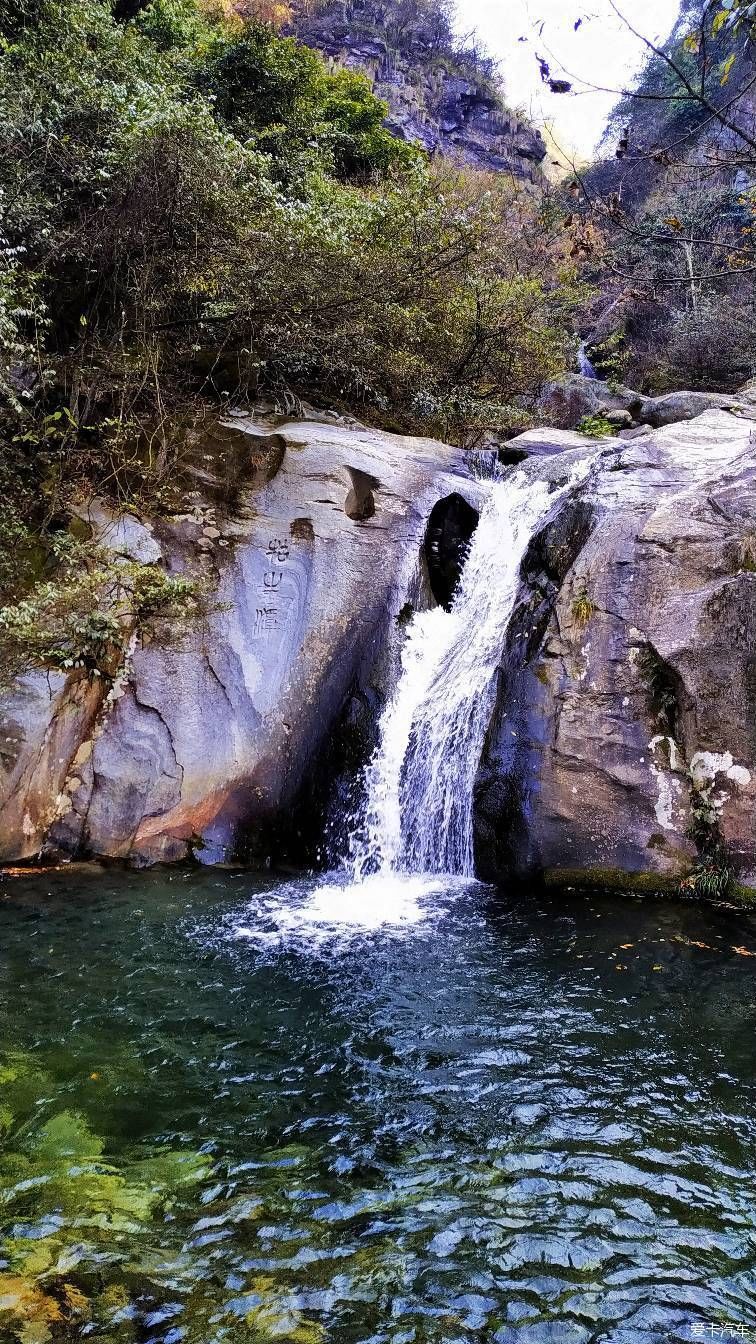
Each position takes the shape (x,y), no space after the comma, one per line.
(677,406)
(623,747)
(569,399)
(546,443)
(203,740)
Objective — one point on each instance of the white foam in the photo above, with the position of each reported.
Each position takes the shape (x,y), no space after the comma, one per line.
(335,911)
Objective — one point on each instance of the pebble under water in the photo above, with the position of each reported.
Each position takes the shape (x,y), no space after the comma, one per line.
(233,1110)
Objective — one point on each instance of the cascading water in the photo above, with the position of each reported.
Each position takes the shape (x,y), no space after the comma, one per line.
(584,364)
(414,843)
(419,784)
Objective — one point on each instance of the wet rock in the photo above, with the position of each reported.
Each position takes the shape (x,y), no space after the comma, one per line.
(623,748)
(546,443)
(637,432)
(44,720)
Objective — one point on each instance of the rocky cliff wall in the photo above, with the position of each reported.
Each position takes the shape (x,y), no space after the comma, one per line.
(202,742)
(623,749)
(436,98)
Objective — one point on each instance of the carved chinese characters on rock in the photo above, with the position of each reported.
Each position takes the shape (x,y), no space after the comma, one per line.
(270,613)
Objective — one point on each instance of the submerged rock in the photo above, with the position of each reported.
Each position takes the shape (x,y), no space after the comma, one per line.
(623,745)
(202,742)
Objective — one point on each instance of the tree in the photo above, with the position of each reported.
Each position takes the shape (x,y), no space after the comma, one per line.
(673,197)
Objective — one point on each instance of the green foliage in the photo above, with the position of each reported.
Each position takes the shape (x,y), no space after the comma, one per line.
(81,618)
(183,193)
(596,426)
(583,608)
(711,880)
(610,358)
(732,14)
(69,1210)
(276,95)
(179,181)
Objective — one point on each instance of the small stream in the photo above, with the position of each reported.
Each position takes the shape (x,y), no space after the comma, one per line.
(234,1109)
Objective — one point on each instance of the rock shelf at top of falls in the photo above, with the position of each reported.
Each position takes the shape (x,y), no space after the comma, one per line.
(616,727)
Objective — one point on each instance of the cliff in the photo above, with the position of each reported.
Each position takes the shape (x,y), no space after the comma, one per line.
(205,737)
(622,749)
(673,192)
(441,97)
(668,126)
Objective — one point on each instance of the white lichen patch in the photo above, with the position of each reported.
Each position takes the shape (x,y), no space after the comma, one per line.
(585,654)
(668,784)
(710,772)
(706,765)
(676,761)
(123,676)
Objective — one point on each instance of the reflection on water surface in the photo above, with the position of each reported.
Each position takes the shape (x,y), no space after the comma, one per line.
(232,1109)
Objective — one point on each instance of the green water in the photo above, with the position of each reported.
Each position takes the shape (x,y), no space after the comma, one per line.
(224,1118)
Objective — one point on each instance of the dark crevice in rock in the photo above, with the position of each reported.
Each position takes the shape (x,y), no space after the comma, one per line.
(666,694)
(316,830)
(359,504)
(450,527)
(554,550)
(219,682)
(511,457)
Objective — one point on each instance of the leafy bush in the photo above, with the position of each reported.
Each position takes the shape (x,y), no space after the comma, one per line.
(596,426)
(185,193)
(81,618)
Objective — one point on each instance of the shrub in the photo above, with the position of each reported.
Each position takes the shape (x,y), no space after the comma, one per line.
(583,608)
(596,426)
(184,190)
(81,618)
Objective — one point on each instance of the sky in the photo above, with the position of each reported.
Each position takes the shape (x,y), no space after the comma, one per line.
(601,51)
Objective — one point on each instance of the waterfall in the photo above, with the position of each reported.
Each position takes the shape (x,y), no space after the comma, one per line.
(419,785)
(584,364)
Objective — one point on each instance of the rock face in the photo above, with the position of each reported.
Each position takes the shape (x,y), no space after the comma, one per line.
(624,739)
(200,745)
(568,400)
(622,747)
(435,100)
